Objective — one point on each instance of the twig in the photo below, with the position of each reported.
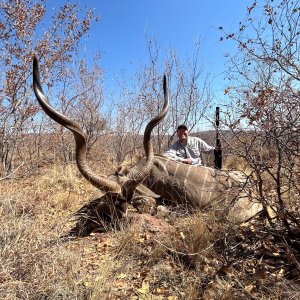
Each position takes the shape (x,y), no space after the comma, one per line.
(8,176)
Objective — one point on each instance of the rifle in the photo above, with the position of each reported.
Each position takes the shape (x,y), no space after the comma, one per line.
(218,153)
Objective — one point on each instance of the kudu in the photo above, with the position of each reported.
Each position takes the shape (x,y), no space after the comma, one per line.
(227,193)
(108,204)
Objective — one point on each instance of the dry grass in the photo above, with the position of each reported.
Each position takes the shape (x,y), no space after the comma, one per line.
(35,264)
(184,261)
(233,162)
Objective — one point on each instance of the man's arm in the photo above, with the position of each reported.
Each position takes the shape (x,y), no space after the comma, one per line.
(171,153)
(195,161)
(204,147)
(207,148)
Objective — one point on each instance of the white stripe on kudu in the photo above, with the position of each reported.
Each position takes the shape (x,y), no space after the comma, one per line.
(187,175)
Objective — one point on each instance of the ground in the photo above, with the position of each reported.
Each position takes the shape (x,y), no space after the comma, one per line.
(185,257)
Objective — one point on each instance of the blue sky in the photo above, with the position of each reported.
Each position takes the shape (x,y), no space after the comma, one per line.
(120,34)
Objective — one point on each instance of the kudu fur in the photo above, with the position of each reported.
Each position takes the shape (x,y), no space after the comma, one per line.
(227,193)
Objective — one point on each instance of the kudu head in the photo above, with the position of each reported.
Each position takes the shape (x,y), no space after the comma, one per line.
(120,188)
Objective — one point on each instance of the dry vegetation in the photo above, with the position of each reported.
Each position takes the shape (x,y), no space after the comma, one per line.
(179,257)
(190,257)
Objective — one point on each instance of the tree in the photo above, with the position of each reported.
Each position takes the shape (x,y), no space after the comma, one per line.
(264,88)
(21,36)
(190,94)
(141,100)
(89,89)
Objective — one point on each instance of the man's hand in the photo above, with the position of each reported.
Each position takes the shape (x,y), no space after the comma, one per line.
(187,161)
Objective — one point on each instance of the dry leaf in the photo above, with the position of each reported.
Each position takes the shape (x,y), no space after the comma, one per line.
(159,291)
(182,235)
(249,288)
(122,276)
(88,283)
(226,270)
(280,273)
(145,288)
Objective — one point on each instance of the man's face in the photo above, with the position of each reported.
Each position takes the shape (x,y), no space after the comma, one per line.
(182,135)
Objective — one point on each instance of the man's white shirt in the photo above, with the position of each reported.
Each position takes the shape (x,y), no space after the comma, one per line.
(193,149)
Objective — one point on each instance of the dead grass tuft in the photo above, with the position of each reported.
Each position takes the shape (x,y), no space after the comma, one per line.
(60,178)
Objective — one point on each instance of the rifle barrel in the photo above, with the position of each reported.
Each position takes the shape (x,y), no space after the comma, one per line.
(218,154)
(217,116)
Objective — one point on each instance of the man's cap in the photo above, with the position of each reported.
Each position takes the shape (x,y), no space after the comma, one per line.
(182,126)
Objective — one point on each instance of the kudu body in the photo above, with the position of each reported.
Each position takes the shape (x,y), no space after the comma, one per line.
(227,193)
(115,191)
